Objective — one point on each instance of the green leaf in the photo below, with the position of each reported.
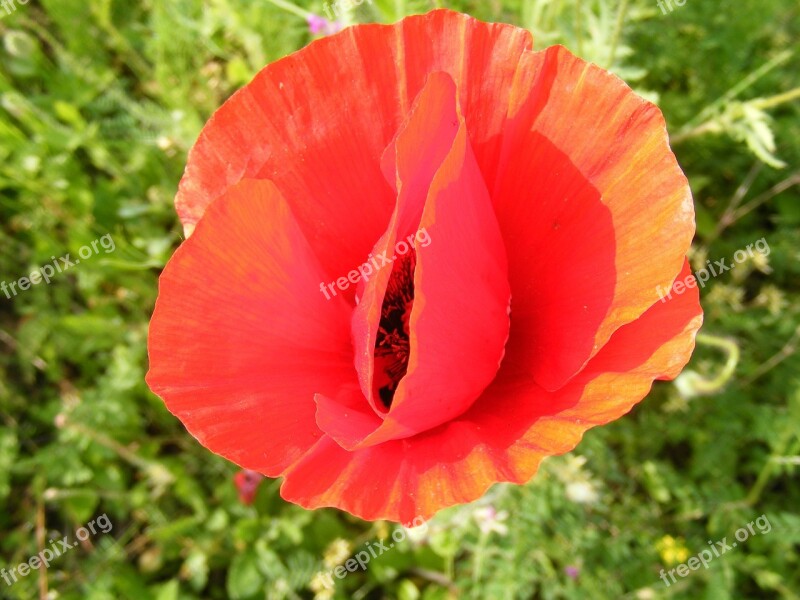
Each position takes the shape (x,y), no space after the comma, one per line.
(244,577)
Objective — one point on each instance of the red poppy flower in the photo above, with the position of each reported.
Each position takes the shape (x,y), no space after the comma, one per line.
(247,483)
(425,258)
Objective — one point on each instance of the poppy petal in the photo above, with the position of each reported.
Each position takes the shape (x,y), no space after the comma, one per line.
(242,339)
(418,151)
(594,208)
(456,338)
(506,433)
(317,122)
(459,323)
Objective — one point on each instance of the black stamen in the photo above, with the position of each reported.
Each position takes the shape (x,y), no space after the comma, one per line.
(392,344)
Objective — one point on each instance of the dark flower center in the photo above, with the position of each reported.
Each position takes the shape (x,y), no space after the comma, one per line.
(392,342)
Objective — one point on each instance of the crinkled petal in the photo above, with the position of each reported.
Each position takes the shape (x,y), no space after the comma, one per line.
(593,206)
(506,434)
(242,339)
(318,121)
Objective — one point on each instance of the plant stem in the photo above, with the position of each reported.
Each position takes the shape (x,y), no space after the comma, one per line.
(477,572)
(579,26)
(621,12)
(40,537)
(766,471)
(705,115)
(292,8)
(788,349)
(712,125)
(157,473)
(709,386)
(776,100)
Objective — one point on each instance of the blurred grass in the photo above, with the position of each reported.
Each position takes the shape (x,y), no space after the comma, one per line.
(100,101)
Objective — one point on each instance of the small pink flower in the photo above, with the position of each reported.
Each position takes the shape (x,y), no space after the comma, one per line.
(321,26)
(572,571)
(490,520)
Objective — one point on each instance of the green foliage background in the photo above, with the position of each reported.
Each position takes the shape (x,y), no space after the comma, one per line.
(100,101)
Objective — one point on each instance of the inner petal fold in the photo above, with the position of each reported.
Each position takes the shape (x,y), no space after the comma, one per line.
(430,327)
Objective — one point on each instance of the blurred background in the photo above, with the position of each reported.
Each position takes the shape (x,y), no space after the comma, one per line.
(100,101)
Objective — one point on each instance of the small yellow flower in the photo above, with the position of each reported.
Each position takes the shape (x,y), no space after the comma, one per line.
(761,263)
(698,257)
(726,296)
(772,298)
(336,553)
(672,550)
(381,529)
(322,586)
